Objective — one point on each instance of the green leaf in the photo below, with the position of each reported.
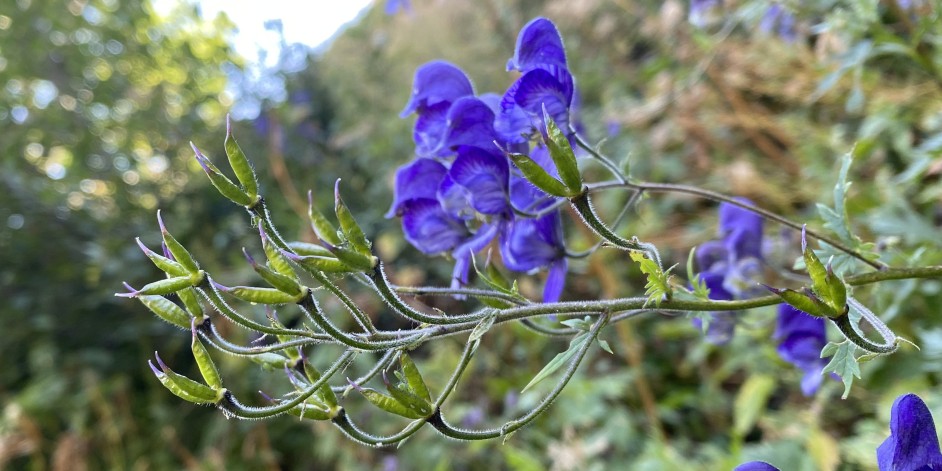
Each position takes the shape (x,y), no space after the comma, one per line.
(843,363)
(479,330)
(558,361)
(539,178)
(240,164)
(605,346)
(658,285)
(700,289)
(204,362)
(563,156)
(750,402)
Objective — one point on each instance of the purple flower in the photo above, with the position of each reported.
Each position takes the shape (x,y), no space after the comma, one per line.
(730,266)
(417,179)
(529,244)
(429,228)
(435,87)
(801,338)
(755,466)
(913,444)
(545,82)
(539,45)
(485,175)
(394,6)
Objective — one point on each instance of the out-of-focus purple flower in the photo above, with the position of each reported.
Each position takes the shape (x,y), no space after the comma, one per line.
(801,338)
(913,444)
(755,466)
(394,6)
(731,266)
(778,20)
(529,244)
(703,12)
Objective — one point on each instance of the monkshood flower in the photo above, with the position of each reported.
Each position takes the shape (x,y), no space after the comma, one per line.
(731,266)
(913,444)
(435,87)
(394,6)
(546,82)
(801,338)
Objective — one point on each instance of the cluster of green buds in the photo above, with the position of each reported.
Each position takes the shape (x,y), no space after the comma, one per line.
(301,274)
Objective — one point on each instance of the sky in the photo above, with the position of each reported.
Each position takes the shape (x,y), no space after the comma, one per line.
(309,22)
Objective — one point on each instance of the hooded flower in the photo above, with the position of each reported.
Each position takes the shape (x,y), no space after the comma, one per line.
(435,87)
(913,444)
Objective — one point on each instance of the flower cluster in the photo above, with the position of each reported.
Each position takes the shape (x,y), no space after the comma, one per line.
(731,266)
(913,444)
(461,191)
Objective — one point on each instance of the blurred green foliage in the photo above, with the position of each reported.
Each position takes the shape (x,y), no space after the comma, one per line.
(98,99)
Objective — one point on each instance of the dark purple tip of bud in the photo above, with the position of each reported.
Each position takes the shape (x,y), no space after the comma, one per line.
(290,255)
(261,232)
(248,257)
(327,245)
(267,397)
(337,190)
(385,379)
(193,327)
(219,287)
(166,251)
(774,290)
(153,368)
(354,384)
(804,241)
(830,269)
(228,125)
(310,199)
(132,292)
(301,354)
(142,246)
(160,222)
(163,366)
(201,158)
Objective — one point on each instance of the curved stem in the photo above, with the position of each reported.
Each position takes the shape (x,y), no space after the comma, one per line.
(232,406)
(381,283)
(438,421)
(477,293)
(611,166)
(549,331)
(712,195)
(380,365)
(362,319)
(208,290)
(583,207)
(217,340)
(343,422)
(309,305)
(847,328)
(466,355)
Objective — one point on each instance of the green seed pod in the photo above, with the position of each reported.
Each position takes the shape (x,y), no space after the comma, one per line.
(311,410)
(166,310)
(222,183)
(205,362)
(563,156)
(170,267)
(165,286)
(240,164)
(276,260)
(353,259)
(184,387)
(351,230)
(260,295)
(191,302)
(306,249)
(404,396)
(389,404)
(322,227)
(325,264)
(324,392)
(181,255)
(271,361)
(278,281)
(413,377)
